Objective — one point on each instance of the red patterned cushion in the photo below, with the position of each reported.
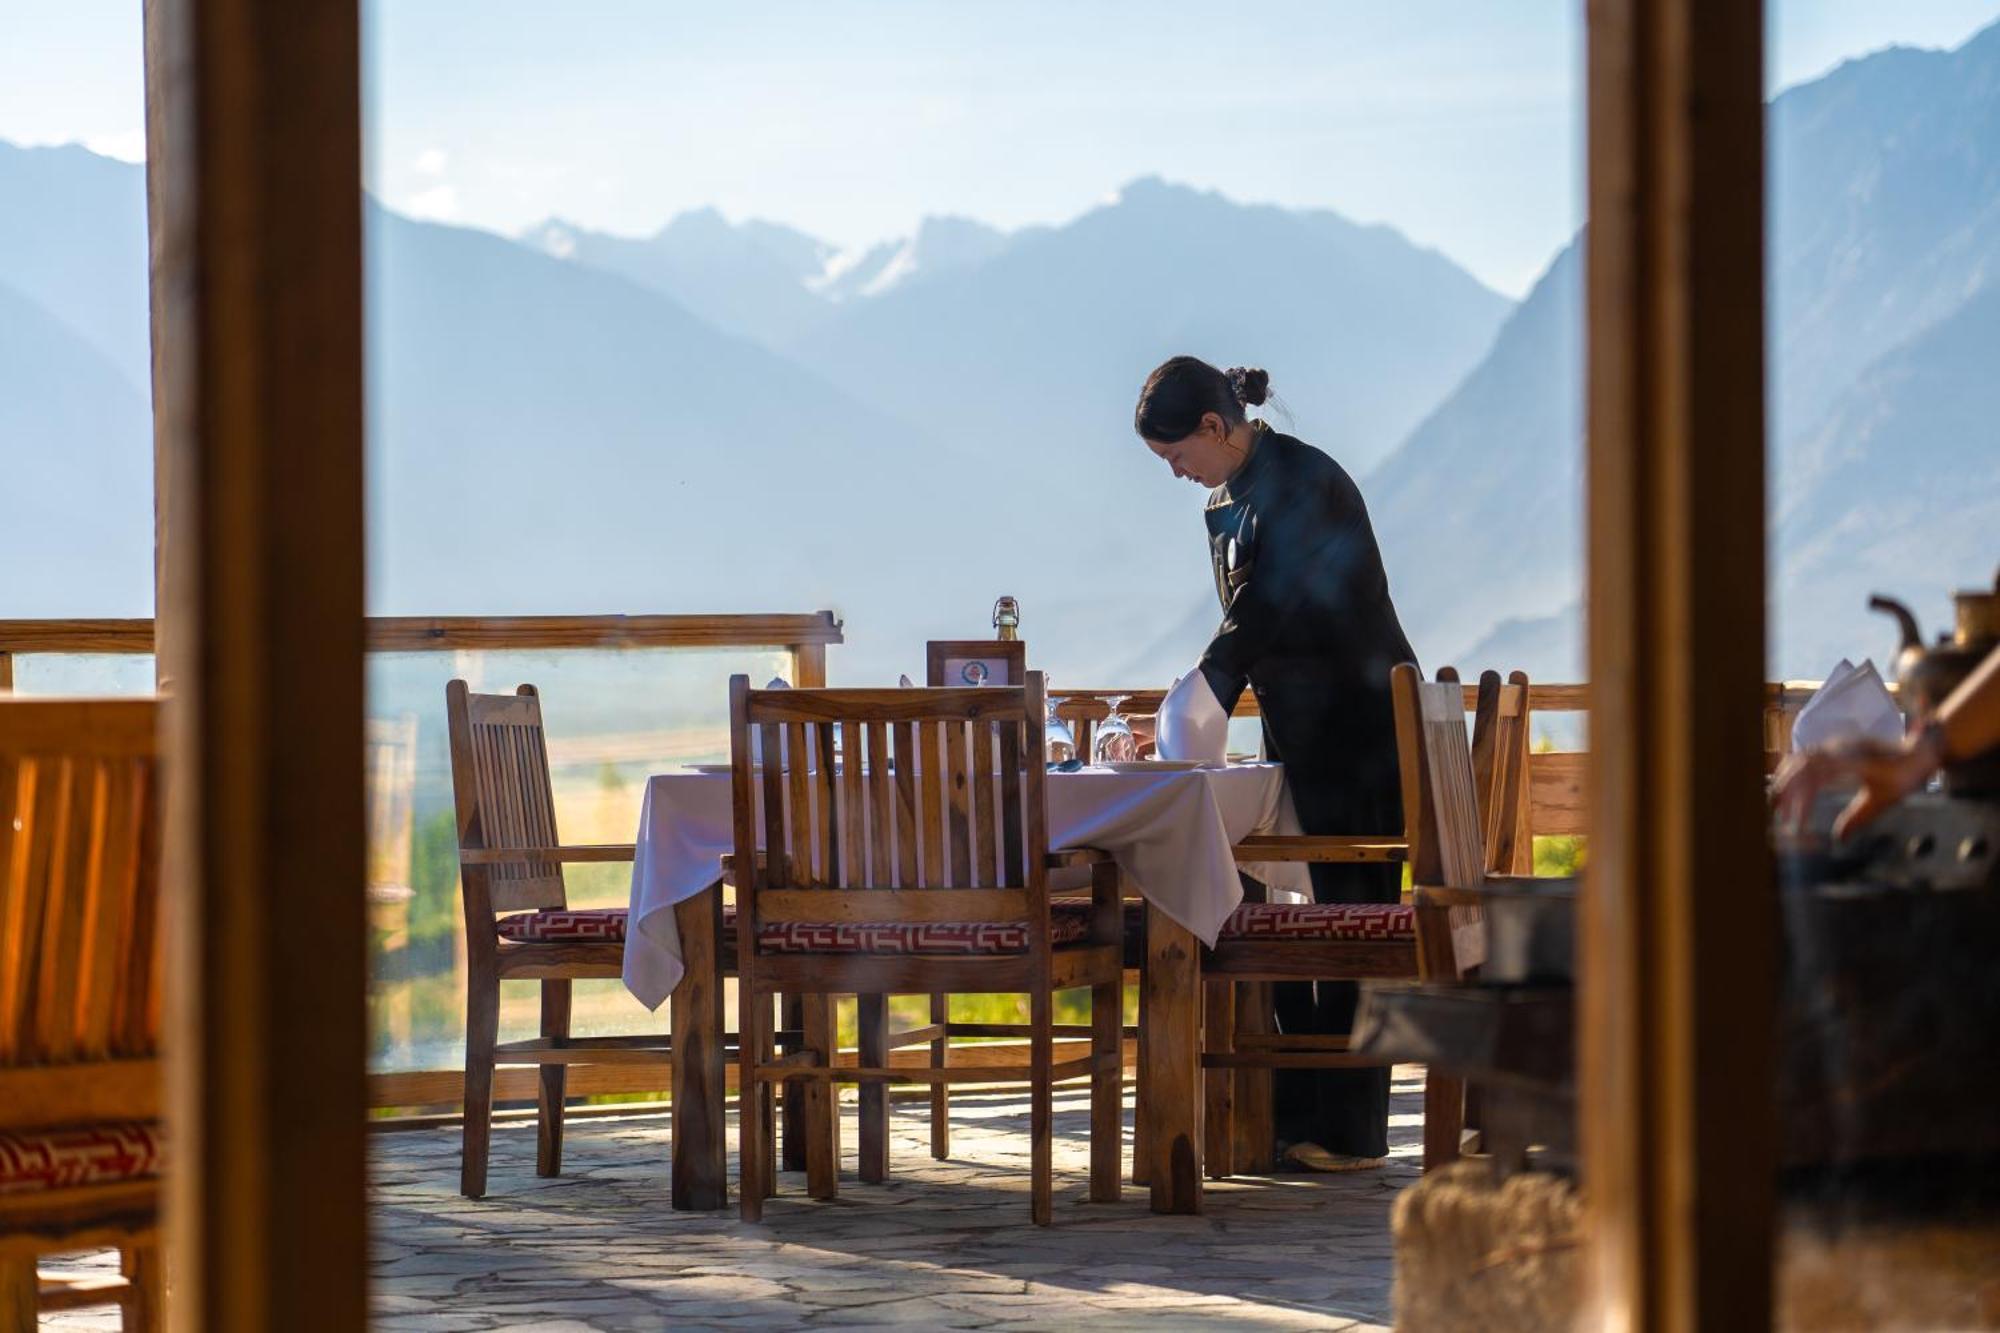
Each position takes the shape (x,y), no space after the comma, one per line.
(1067,925)
(554,925)
(1321,921)
(51,1159)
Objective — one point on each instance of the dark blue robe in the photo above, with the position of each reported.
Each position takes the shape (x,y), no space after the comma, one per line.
(1309,627)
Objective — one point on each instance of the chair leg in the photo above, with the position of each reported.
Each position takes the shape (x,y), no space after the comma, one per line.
(872,1023)
(144,1310)
(940,1095)
(1142,1173)
(549,1101)
(482,1034)
(1219,1085)
(1041,1109)
(1444,1118)
(822,1112)
(1107,1091)
(753,1121)
(20,1292)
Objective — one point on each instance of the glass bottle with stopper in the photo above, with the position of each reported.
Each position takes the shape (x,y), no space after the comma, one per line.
(1007,619)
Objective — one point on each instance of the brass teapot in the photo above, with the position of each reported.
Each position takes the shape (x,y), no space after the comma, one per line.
(1926,676)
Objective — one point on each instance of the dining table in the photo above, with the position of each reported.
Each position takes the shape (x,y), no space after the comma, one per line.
(1172,829)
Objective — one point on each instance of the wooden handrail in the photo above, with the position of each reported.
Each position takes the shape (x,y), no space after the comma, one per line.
(1559,697)
(425,633)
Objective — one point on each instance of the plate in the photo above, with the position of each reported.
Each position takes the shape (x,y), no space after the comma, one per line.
(1152,766)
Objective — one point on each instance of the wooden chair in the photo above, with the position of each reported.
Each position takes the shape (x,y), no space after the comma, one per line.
(917,865)
(518,923)
(80,1144)
(1429,937)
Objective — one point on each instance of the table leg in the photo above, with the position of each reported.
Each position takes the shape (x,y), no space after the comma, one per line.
(1255,1152)
(1218,1115)
(1170,1016)
(872,1021)
(701,1150)
(792,1119)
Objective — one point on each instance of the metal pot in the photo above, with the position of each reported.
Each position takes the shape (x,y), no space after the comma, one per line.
(1925,677)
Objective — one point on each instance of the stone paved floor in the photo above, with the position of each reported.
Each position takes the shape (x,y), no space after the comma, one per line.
(942,1245)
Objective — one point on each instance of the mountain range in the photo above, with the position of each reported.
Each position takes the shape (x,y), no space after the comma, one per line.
(737,415)
(1884,248)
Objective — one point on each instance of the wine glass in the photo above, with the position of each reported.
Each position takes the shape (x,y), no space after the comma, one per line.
(1057,741)
(1114,742)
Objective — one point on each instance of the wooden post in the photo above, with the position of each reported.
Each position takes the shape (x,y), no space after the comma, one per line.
(254,171)
(809,665)
(1678,942)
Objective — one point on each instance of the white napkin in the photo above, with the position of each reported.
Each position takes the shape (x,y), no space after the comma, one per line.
(757,733)
(1191,723)
(1853,703)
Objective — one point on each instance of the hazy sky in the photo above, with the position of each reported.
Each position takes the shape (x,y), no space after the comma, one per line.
(1455,120)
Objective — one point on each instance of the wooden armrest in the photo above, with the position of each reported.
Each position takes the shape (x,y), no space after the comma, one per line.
(1306,847)
(1439,895)
(501,856)
(1077,856)
(763,859)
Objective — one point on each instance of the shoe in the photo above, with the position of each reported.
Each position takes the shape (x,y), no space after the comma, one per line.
(1312,1157)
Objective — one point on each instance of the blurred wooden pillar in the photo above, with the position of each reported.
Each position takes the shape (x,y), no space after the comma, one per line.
(1678,945)
(254,195)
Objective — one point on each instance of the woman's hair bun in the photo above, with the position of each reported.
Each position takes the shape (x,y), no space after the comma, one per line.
(1251,386)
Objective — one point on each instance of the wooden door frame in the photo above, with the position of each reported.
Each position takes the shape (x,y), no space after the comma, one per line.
(1678,932)
(253,131)
(254,212)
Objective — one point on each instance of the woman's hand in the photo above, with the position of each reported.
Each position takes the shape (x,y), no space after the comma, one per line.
(1887,773)
(1145,732)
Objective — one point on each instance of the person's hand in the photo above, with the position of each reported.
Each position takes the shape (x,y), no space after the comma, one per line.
(1887,773)
(1145,733)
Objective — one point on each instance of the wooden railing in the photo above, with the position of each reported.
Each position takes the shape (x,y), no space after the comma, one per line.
(805,636)
(1555,777)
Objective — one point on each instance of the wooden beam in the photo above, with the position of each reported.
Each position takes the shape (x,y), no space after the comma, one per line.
(402,1089)
(254,169)
(1677,923)
(402,634)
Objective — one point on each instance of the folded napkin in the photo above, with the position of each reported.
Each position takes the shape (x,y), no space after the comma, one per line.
(1191,723)
(905,682)
(1853,703)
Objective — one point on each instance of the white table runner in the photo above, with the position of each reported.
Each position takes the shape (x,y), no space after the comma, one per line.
(1171,833)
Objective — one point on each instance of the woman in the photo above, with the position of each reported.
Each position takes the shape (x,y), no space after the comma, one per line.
(1308,625)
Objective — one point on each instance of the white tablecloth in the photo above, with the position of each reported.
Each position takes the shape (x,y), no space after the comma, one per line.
(1171,833)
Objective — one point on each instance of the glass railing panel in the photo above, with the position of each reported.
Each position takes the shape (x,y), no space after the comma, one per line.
(613,718)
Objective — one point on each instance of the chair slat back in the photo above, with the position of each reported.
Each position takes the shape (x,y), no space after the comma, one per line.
(930,795)
(1509,846)
(1441,816)
(79,906)
(1440,796)
(500,784)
